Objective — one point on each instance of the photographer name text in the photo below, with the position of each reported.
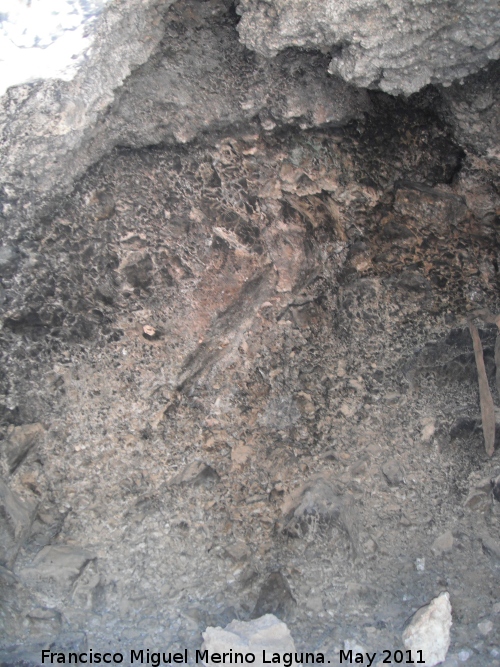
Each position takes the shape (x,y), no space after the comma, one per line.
(157,658)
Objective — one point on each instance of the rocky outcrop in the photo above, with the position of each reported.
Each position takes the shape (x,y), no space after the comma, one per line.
(399,46)
(236,376)
(163,73)
(46,127)
(199,79)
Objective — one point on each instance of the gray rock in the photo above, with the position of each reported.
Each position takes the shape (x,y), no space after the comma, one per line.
(44,622)
(318,505)
(237,552)
(443,543)
(491,546)
(191,77)
(399,48)
(393,473)
(22,440)
(314,603)
(9,258)
(485,627)
(48,127)
(472,108)
(15,522)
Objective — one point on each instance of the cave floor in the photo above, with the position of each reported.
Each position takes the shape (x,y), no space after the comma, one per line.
(256,391)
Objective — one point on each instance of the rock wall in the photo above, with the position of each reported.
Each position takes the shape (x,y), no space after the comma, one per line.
(236,377)
(199,79)
(170,73)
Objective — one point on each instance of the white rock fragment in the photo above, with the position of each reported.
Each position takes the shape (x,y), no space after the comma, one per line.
(266,633)
(429,630)
(420,564)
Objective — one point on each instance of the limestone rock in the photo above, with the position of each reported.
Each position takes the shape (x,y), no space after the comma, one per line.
(472,107)
(485,627)
(15,521)
(393,473)
(266,633)
(399,48)
(50,122)
(429,630)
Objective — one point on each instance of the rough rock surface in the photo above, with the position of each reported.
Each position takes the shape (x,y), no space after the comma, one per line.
(429,630)
(399,47)
(172,74)
(46,127)
(236,375)
(266,633)
(22,440)
(199,79)
(308,291)
(472,108)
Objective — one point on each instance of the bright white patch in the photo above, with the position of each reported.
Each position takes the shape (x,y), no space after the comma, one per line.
(41,39)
